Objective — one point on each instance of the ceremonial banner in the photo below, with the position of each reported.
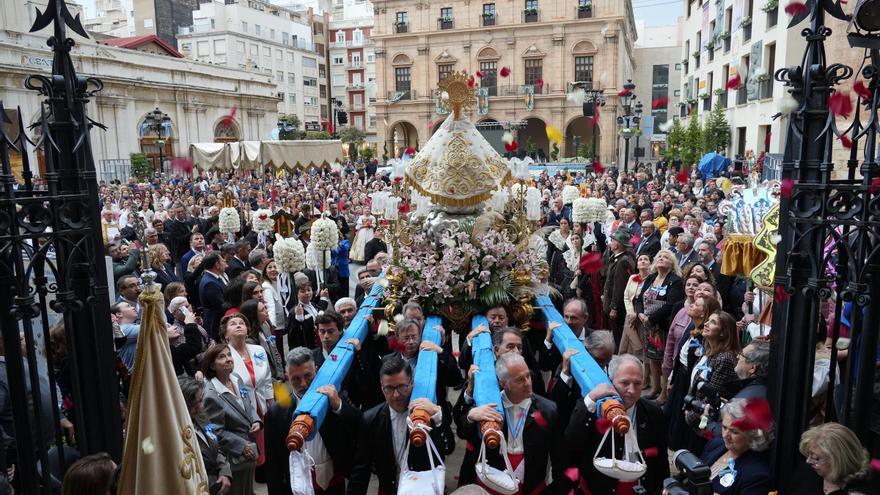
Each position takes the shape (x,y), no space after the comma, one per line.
(737,15)
(753,86)
(706,34)
(482,101)
(210,156)
(336,367)
(425,374)
(161,453)
(529,91)
(719,20)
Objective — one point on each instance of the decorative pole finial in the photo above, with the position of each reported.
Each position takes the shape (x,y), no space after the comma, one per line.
(460,94)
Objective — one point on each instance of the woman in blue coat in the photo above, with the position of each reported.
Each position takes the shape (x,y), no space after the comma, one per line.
(738,458)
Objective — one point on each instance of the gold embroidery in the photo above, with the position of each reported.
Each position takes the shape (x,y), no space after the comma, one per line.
(191,460)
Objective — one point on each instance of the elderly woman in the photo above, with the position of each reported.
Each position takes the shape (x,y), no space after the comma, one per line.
(631,343)
(216,466)
(228,406)
(837,456)
(187,337)
(738,459)
(661,291)
(160,260)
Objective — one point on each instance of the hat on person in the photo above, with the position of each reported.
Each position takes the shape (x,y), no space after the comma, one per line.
(622,235)
(676,230)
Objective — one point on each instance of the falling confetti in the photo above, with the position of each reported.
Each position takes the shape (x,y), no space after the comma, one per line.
(846,142)
(470,82)
(591,262)
(795,9)
(181,165)
(667,126)
(598,168)
(786,187)
(660,102)
(572,473)
(840,104)
(282,394)
(480,74)
(504,72)
(511,146)
(539,419)
(227,120)
(875,464)
(682,176)
(603,425)
(624,93)
(651,452)
(577,96)
(874,188)
(553,134)
(756,416)
(780,295)
(410,151)
(861,90)
(787,104)
(147,446)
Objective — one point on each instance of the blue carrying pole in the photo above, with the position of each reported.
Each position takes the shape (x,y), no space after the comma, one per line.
(425,380)
(486,388)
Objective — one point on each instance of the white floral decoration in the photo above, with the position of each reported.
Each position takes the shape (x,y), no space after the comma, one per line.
(230,221)
(597,210)
(317,259)
(580,210)
(290,256)
(325,234)
(262,220)
(569,194)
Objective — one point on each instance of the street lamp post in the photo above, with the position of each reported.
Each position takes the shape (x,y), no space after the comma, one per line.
(627,121)
(159,122)
(638,112)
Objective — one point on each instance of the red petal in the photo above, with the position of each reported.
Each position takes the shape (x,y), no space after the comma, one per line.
(595,118)
(758,413)
(410,151)
(480,74)
(637,279)
(875,464)
(504,72)
(539,419)
(733,83)
(786,187)
(682,176)
(846,142)
(861,90)
(635,240)
(875,185)
(598,168)
(471,82)
(540,83)
(708,435)
(512,146)
(572,473)
(396,345)
(795,8)
(660,102)
(603,425)
(404,208)
(650,452)
(623,93)
(780,294)
(840,104)
(456,354)
(470,447)
(591,262)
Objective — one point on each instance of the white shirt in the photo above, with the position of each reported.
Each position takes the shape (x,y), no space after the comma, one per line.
(400,432)
(515,419)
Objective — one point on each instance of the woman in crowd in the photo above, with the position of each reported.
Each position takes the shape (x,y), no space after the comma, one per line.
(688,351)
(93,474)
(660,292)
(679,326)
(262,334)
(738,459)
(558,241)
(700,270)
(364,225)
(232,296)
(216,466)
(272,296)
(834,452)
(160,261)
(251,290)
(632,342)
(228,406)
(566,268)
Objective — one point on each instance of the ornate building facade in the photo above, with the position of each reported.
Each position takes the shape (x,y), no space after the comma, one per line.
(528,52)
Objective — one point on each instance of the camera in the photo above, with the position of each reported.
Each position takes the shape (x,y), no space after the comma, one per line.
(709,398)
(693,476)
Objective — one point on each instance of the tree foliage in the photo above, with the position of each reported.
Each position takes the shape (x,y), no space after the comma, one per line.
(717,132)
(141,166)
(292,121)
(674,141)
(694,142)
(352,135)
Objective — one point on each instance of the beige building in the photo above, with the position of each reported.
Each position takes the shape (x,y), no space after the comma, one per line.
(544,44)
(353,64)
(112,18)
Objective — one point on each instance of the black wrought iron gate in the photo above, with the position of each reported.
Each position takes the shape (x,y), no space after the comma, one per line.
(829,250)
(51,268)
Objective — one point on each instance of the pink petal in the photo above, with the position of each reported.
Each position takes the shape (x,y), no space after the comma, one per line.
(572,473)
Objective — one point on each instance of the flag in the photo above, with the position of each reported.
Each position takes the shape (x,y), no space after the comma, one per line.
(161,453)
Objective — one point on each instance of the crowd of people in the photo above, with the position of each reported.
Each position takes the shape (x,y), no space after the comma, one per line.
(685,346)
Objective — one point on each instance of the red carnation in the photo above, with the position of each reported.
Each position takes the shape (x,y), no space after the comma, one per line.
(840,104)
(404,208)
(539,419)
(396,344)
(651,452)
(786,187)
(624,93)
(637,279)
(861,90)
(511,147)
(846,141)
(398,180)
(591,262)
(572,473)
(660,102)
(795,8)
(504,72)
(733,82)
(263,217)
(598,168)
(875,185)
(780,295)
(635,240)
(603,425)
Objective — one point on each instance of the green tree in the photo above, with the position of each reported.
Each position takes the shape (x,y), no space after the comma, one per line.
(318,135)
(554,153)
(674,141)
(585,150)
(353,138)
(368,153)
(140,166)
(693,142)
(717,133)
(292,121)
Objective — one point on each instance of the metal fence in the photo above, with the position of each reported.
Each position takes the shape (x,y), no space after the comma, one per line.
(117,169)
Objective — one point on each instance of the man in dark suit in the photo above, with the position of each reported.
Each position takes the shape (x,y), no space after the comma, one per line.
(650,242)
(684,245)
(211,292)
(340,220)
(706,253)
(331,446)
(383,433)
(239,261)
(529,424)
(621,264)
(583,437)
(360,382)
(366,278)
(196,247)
(179,230)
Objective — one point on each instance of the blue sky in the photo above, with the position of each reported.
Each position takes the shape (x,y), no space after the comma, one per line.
(657,12)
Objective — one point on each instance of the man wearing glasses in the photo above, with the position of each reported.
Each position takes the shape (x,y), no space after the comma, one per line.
(384,434)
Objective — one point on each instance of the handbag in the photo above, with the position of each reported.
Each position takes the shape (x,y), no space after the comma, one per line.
(422,482)
(301,473)
(621,469)
(503,482)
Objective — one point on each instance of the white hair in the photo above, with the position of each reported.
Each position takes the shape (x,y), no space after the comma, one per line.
(617,361)
(504,362)
(176,303)
(343,301)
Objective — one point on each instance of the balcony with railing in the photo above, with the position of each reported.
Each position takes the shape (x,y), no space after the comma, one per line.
(349,43)
(585,11)
(444,23)
(742,95)
(357,107)
(765,89)
(354,87)
(358,65)
(401,27)
(531,15)
(727,43)
(520,89)
(488,19)
(707,103)
(722,99)
(393,96)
